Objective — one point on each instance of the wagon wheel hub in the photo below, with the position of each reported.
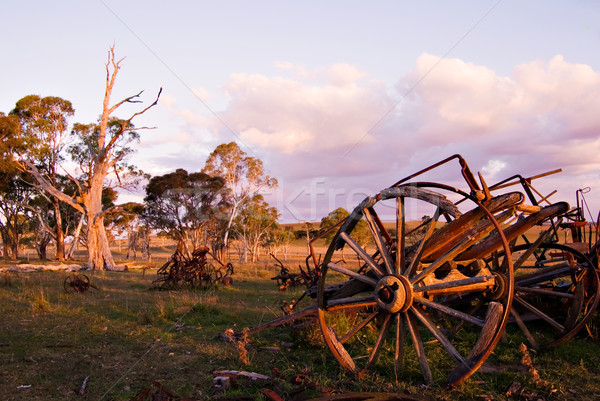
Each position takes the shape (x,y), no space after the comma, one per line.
(393,293)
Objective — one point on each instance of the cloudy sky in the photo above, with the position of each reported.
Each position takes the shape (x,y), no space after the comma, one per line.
(338,98)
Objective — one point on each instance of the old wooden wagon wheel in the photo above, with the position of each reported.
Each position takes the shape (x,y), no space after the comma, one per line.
(401,293)
(76,283)
(556,293)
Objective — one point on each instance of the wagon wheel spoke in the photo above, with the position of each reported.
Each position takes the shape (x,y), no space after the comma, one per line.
(359,327)
(399,345)
(351,302)
(400,234)
(429,325)
(524,328)
(383,333)
(414,263)
(452,313)
(380,242)
(560,282)
(419,348)
(559,327)
(449,255)
(352,274)
(362,254)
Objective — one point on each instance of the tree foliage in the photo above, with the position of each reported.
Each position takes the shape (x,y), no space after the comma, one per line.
(244,177)
(44,128)
(101,150)
(255,220)
(182,204)
(360,234)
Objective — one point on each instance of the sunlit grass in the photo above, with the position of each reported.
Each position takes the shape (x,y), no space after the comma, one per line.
(125,335)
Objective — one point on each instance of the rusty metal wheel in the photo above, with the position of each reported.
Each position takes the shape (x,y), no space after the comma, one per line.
(390,306)
(556,293)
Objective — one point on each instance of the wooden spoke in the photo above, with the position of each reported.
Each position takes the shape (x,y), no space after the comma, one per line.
(458,248)
(379,241)
(543,274)
(540,291)
(351,302)
(419,349)
(385,329)
(417,256)
(358,327)
(451,312)
(439,336)
(362,254)
(539,313)
(543,236)
(350,273)
(400,234)
(399,348)
(524,328)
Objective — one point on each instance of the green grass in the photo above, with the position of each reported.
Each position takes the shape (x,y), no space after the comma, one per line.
(125,336)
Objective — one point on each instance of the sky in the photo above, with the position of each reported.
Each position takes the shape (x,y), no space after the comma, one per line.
(339,99)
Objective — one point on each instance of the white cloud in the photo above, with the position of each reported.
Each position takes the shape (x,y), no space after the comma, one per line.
(333,123)
(286,115)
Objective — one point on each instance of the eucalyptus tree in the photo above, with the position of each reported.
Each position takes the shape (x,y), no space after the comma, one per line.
(244,176)
(44,125)
(101,150)
(255,220)
(182,204)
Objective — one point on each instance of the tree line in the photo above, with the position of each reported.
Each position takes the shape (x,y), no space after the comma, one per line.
(60,180)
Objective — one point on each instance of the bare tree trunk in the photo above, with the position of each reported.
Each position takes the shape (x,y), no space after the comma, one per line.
(60,235)
(76,234)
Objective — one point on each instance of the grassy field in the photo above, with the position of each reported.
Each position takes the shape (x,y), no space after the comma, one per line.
(124,336)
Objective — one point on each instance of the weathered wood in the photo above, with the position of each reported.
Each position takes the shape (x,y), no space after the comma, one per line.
(301,314)
(462,286)
(400,235)
(351,302)
(418,346)
(454,232)
(379,242)
(362,254)
(383,332)
(416,256)
(350,273)
(450,312)
(358,327)
(439,336)
(540,314)
(484,343)
(342,355)
(399,345)
(524,328)
(495,241)
(426,195)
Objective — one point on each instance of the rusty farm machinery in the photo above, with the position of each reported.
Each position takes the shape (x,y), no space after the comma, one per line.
(436,296)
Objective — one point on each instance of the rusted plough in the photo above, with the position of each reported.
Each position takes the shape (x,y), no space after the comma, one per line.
(285,279)
(77,283)
(441,290)
(193,271)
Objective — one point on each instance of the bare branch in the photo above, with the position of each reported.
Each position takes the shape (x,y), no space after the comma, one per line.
(48,187)
(128,121)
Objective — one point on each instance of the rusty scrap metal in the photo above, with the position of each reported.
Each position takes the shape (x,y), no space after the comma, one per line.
(307,277)
(77,283)
(453,272)
(193,271)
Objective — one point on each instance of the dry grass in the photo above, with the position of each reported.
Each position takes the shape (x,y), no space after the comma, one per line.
(125,336)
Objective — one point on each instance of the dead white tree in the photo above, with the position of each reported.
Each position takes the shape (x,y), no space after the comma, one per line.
(102,151)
